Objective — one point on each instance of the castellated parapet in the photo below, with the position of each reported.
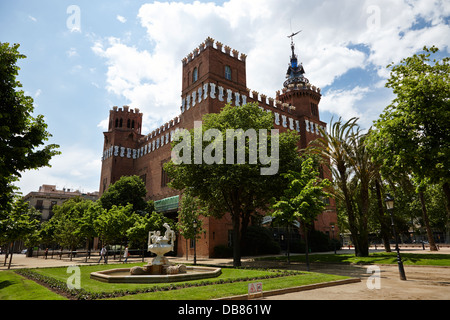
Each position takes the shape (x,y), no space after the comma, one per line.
(209,42)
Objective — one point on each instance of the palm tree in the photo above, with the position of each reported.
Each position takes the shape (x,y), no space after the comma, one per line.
(346,153)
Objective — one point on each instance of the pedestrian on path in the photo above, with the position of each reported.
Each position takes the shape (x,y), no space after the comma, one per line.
(103,254)
(126,254)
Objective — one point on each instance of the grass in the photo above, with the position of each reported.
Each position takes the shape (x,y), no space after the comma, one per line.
(428,259)
(232,289)
(16,287)
(231,282)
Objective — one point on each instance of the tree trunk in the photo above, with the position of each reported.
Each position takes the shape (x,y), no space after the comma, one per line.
(384,227)
(364,234)
(288,244)
(305,231)
(349,207)
(427,223)
(446,187)
(11,254)
(236,240)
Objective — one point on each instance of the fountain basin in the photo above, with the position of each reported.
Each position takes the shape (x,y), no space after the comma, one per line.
(122,275)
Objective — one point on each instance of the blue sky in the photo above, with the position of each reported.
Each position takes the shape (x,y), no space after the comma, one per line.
(83,57)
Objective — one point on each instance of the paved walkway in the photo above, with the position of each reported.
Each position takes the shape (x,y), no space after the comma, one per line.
(422,283)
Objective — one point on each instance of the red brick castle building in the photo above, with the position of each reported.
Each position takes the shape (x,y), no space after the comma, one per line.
(213,75)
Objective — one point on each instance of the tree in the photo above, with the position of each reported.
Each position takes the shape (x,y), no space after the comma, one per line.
(67,223)
(20,222)
(112,225)
(21,134)
(303,199)
(142,225)
(413,132)
(335,146)
(239,188)
(91,210)
(189,223)
(128,189)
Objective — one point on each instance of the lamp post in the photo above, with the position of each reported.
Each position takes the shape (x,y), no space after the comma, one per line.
(195,241)
(390,207)
(334,241)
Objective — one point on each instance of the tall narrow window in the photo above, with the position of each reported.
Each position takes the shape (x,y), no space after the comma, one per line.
(227,72)
(195,74)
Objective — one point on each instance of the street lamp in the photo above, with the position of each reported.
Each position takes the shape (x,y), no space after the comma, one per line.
(334,241)
(389,200)
(195,240)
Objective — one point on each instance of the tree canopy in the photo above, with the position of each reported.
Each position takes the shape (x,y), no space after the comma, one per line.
(239,188)
(22,135)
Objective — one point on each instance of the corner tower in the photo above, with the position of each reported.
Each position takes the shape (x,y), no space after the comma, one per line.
(124,131)
(303,96)
(211,76)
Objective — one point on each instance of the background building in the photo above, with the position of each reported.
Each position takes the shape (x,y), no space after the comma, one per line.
(213,75)
(48,196)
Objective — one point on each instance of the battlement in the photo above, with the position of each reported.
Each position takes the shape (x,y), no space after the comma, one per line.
(209,42)
(160,131)
(126,109)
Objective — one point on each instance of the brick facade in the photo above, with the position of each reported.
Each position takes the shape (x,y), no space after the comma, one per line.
(212,76)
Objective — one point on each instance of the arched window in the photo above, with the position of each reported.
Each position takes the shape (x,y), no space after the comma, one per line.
(195,74)
(117,123)
(120,123)
(132,124)
(227,72)
(128,123)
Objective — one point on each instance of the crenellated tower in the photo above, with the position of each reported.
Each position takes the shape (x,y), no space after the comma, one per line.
(304,97)
(124,132)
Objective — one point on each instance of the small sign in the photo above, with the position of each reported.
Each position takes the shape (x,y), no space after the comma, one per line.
(255,288)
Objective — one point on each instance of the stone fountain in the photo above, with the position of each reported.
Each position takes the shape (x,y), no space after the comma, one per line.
(160,245)
(159,269)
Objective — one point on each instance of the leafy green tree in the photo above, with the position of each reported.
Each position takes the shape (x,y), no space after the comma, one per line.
(239,189)
(128,189)
(413,132)
(142,225)
(303,199)
(21,134)
(111,225)
(19,223)
(66,223)
(90,212)
(189,222)
(345,152)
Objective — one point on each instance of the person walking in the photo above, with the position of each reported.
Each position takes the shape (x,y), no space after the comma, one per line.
(103,254)
(126,254)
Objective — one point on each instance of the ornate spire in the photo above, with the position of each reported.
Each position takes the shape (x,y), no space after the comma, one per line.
(295,72)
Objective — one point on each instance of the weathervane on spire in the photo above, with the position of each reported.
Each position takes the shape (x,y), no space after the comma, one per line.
(295,71)
(292,36)
(292,40)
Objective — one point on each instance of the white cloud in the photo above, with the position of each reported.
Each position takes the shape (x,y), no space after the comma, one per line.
(343,102)
(334,33)
(66,171)
(103,124)
(32,18)
(72,52)
(121,19)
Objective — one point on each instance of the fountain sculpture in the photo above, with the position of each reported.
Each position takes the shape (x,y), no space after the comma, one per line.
(160,269)
(160,245)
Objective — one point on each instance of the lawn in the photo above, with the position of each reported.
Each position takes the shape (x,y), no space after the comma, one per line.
(231,282)
(429,259)
(16,287)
